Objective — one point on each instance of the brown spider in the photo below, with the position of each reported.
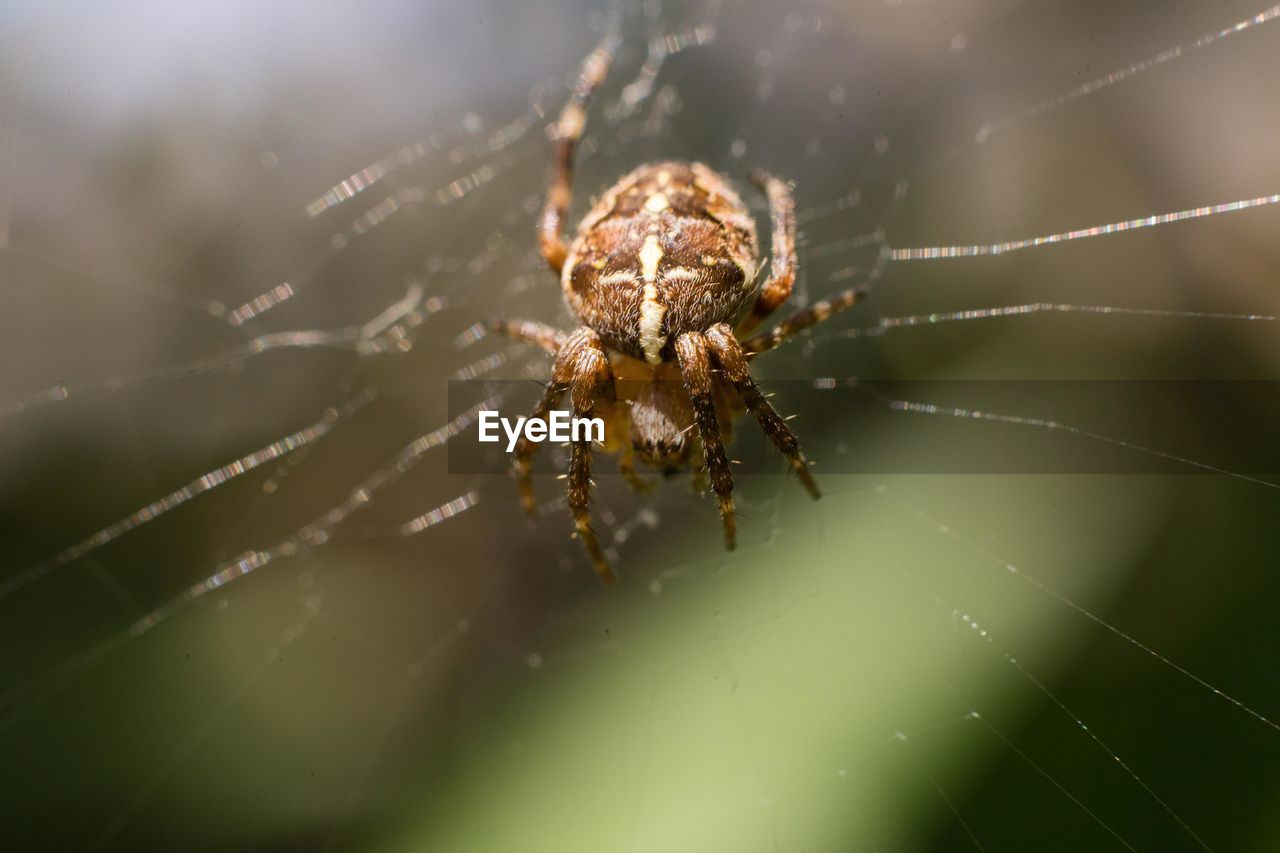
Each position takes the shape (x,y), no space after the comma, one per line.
(662,275)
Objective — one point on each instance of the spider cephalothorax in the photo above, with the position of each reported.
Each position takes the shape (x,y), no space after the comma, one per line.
(663,277)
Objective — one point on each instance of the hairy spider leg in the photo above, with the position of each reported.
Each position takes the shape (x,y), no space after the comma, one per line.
(776,291)
(583,366)
(523,465)
(802,320)
(728,352)
(695,368)
(782,277)
(527,331)
(568,132)
(551,340)
(582,370)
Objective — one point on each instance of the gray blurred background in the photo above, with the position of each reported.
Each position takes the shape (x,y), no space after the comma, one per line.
(471,687)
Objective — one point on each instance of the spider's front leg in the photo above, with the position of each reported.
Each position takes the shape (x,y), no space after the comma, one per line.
(583,368)
(729,353)
(695,367)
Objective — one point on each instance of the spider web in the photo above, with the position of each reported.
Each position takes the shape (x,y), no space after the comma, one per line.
(248,601)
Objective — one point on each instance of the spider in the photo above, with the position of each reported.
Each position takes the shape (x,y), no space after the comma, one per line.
(662,276)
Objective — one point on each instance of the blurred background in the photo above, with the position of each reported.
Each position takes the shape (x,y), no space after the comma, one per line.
(247,603)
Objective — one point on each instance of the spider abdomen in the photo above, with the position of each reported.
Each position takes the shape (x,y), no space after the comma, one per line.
(669,249)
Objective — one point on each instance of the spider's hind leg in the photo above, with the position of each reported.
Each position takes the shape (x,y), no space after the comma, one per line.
(782,278)
(798,322)
(775,291)
(568,132)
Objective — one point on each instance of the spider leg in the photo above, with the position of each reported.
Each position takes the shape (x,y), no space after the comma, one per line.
(549,339)
(802,320)
(782,278)
(538,334)
(627,468)
(568,131)
(695,367)
(728,352)
(523,466)
(699,480)
(584,368)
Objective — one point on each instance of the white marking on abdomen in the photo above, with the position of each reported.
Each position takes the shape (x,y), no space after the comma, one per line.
(656,203)
(681,274)
(650,255)
(651,308)
(651,313)
(619,277)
